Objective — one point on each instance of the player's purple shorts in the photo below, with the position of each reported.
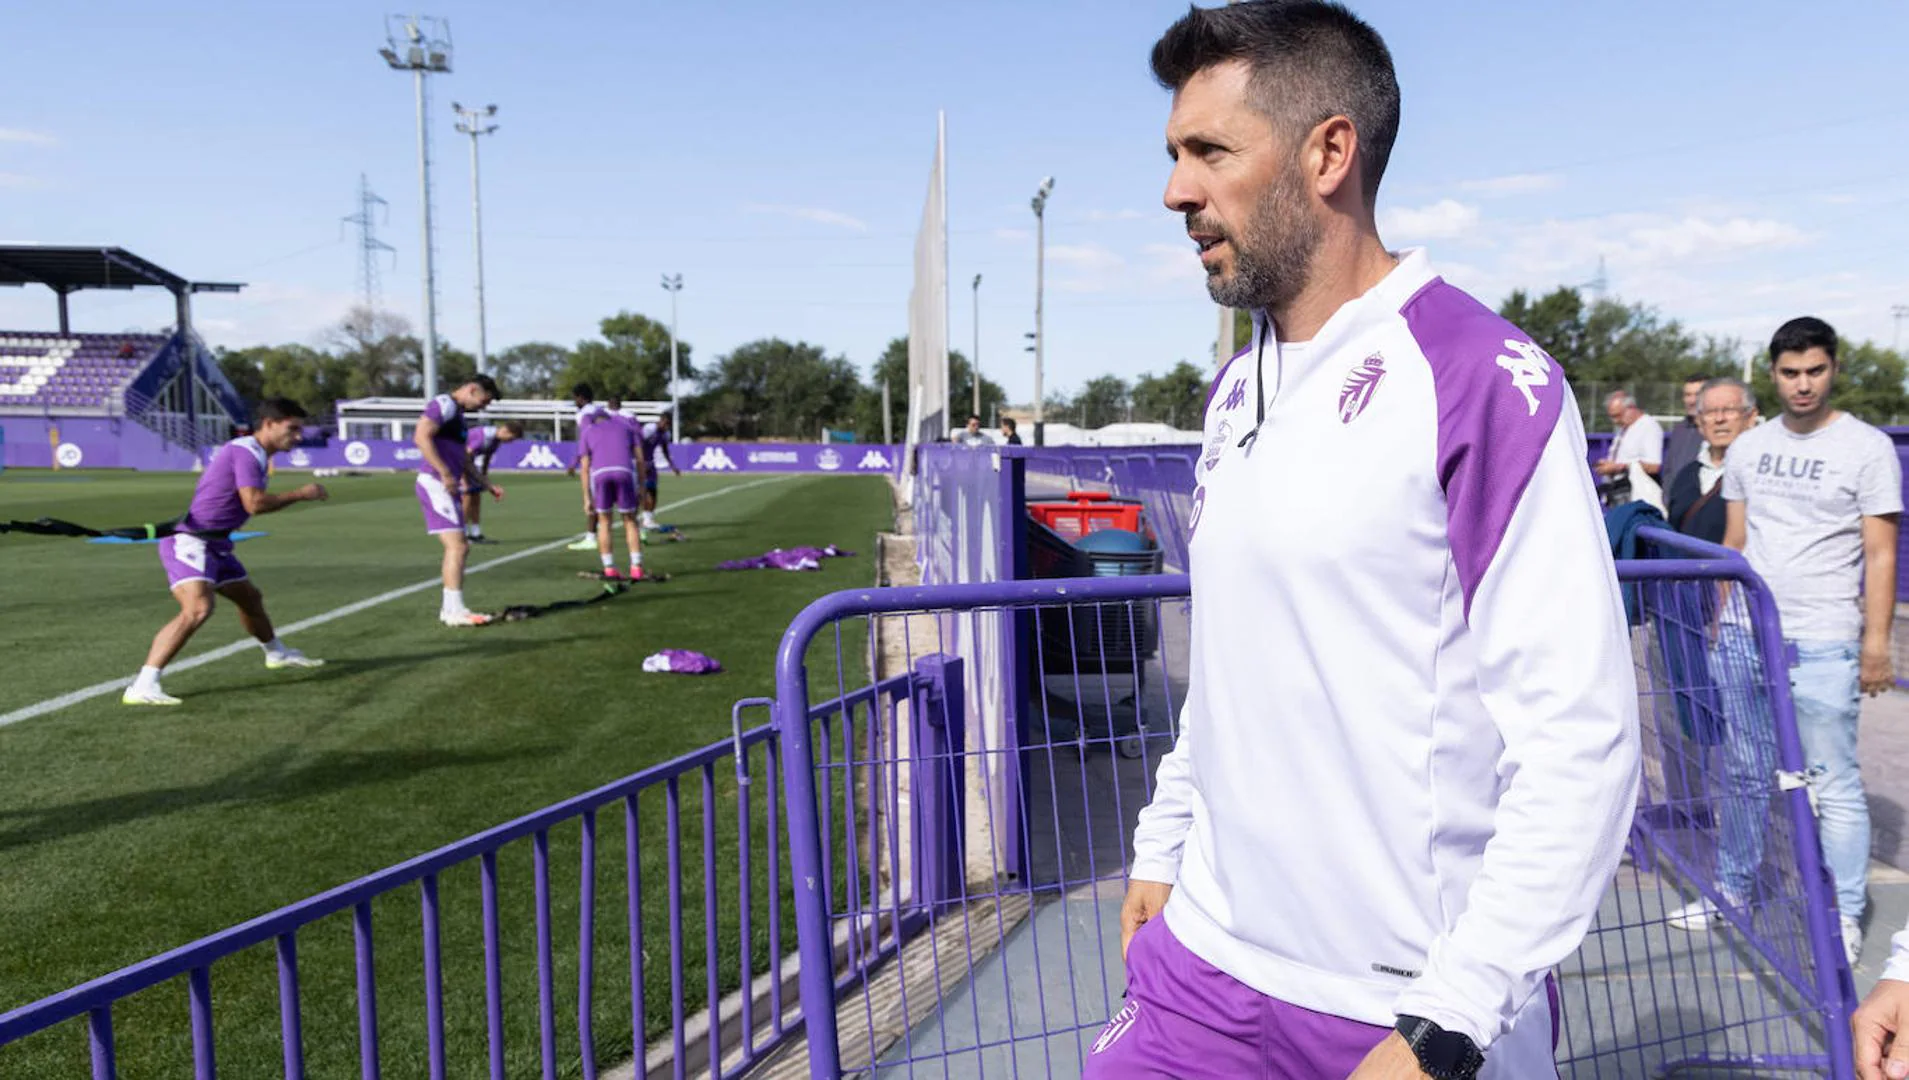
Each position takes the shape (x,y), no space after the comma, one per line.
(1185,1018)
(188,558)
(613,491)
(443,512)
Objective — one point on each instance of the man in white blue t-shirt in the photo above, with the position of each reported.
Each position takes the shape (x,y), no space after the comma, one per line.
(1812,501)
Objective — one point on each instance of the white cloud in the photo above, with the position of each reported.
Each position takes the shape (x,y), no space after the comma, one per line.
(1514,184)
(1173,263)
(271,313)
(1086,268)
(1442,220)
(1638,242)
(17,135)
(819,215)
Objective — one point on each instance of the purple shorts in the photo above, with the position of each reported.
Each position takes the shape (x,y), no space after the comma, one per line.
(188,558)
(1186,1018)
(613,491)
(443,511)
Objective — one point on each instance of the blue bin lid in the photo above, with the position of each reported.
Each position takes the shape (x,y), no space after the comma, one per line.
(1113,541)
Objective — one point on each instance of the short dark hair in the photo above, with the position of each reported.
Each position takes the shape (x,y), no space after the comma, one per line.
(1311,60)
(515,427)
(1008,422)
(1801,335)
(976,417)
(582,392)
(279,408)
(1695,376)
(484,383)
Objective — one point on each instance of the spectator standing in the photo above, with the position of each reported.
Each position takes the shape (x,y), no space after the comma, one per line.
(1684,442)
(1725,409)
(1639,437)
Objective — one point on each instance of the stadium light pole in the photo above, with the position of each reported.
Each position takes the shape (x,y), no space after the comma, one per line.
(673,284)
(472,122)
(1040,268)
(421,45)
(975,364)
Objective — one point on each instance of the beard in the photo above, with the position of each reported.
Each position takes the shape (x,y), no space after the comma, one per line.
(1272,253)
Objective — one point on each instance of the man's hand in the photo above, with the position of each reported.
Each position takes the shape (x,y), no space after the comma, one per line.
(1145,899)
(1390,1060)
(1883,1014)
(1610,468)
(496,492)
(313,493)
(1878,671)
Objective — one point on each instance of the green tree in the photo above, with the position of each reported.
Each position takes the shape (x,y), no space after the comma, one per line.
(1869,384)
(241,369)
(773,388)
(631,358)
(1174,398)
(892,365)
(530,370)
(380,352)
(1101,402)
(314,379)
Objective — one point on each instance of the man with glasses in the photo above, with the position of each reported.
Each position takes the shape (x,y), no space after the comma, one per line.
(1724,409)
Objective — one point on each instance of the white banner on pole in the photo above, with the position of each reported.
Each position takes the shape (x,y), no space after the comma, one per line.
(928,411)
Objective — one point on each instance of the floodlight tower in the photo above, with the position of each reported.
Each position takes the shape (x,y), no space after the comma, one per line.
(1040,265)
(475,122)
(673,284)
(421,45)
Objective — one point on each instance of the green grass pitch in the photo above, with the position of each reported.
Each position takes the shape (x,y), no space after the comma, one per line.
(125,832)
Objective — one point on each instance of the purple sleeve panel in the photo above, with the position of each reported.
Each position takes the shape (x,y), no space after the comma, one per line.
(441,409)
(248,466)
(1498,397)
(1214,388)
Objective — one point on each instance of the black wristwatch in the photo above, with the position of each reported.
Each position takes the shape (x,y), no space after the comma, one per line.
(1442,1055)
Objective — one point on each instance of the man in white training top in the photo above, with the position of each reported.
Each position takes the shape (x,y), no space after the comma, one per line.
(1402,780)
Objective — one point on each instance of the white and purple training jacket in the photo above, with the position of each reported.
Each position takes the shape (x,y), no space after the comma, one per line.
(1409,752)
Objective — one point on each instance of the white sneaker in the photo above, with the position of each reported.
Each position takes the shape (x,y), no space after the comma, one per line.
(1696,918)
(588,542)
(1852,940)
(463,618)
(154,696)
(291,658)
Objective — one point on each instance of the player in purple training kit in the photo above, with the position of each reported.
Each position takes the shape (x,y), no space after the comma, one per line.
(443,471)
(656,439)
(198,555)
(607,451)
(481,445)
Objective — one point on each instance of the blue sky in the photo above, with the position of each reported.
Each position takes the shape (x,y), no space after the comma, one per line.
(1734,163)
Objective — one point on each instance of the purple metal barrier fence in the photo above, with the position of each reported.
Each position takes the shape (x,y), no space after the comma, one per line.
(464,1029)
(1011,973)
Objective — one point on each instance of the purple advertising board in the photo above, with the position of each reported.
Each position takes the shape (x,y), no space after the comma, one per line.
(531,455)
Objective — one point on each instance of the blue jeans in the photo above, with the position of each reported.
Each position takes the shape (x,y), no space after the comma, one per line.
(1826,690)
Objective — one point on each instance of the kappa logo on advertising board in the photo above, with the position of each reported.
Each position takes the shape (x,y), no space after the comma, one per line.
(540,456)
(714,459)
(875,459)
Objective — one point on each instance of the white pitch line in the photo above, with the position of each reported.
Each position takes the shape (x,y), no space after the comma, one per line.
(239,646)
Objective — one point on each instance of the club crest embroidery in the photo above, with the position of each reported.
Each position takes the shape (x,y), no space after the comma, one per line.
(1359,387)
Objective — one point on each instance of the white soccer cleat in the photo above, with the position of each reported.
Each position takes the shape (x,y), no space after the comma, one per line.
(464,618)
(586,543)
(291,658)
(155,696)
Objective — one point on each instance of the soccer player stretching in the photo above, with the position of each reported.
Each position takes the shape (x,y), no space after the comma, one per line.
(608,454)
(482,445)
(198,557)
(442,473)
(589,410)
(656,439)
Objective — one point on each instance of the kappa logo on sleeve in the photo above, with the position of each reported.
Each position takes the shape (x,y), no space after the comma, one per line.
(1529,367)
